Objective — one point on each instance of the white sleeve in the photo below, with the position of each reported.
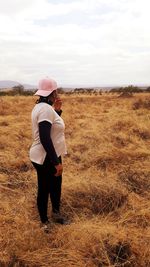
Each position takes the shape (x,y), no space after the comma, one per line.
(46,114)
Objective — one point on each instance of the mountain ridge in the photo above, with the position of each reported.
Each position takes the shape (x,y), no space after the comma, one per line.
(5,84)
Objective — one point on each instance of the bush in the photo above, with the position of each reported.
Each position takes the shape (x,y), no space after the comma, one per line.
(17,90)
(128,89)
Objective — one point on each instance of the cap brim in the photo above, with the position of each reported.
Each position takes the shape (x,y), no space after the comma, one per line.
(43,93)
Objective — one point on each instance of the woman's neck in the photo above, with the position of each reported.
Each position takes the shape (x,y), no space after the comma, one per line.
(43,99)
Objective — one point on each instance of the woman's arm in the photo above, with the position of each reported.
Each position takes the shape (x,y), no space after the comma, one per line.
(57,106)
(46,141)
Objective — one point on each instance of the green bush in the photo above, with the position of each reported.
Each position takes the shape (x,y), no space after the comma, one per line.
(17,90)
(128,89)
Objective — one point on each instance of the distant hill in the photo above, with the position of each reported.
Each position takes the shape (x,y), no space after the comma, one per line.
(10,84)
(29,86)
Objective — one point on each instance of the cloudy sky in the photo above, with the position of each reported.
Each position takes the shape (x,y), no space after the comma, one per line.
(82,42)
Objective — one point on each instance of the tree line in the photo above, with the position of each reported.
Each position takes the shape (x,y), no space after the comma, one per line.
(19,90)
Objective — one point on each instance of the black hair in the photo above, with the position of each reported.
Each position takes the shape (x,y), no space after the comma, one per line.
(44,99)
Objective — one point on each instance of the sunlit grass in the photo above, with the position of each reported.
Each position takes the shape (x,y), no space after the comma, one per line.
(106,185)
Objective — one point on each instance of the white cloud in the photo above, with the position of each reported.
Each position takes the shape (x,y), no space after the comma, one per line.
(82,42)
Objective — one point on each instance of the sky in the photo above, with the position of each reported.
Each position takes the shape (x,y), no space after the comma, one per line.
(77,43)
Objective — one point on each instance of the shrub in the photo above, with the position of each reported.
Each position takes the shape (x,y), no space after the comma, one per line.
(127,89)
(141,104)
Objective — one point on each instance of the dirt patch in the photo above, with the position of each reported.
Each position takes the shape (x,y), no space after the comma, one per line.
(141,104)
(143,134)
(117,158)
(138,182)
(95,200)
(4,123)
(104,253)
(120,254)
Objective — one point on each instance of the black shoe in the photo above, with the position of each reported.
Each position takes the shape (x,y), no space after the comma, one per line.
(58,218)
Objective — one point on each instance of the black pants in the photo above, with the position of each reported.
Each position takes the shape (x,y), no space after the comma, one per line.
(48,184)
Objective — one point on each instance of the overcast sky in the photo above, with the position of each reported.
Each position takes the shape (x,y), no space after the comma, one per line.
(85,42)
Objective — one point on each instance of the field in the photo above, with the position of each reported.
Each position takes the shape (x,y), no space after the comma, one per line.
(106,185)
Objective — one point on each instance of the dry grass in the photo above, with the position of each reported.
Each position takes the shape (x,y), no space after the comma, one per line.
(106,185)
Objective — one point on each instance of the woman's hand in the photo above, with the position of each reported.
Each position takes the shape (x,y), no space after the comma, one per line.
(57,104)
(59,169)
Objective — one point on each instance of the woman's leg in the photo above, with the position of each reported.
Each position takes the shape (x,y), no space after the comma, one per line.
(48,183)
(55,193)
(43,191)
(53,185)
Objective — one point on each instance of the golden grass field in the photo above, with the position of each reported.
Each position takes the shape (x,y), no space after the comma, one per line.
(106,185)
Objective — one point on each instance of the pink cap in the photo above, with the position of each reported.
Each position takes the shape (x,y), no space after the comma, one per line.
(46,87)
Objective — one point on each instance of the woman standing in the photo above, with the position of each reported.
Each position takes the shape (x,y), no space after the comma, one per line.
(47,148)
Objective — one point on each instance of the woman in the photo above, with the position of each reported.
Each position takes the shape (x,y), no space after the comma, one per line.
(47,148)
